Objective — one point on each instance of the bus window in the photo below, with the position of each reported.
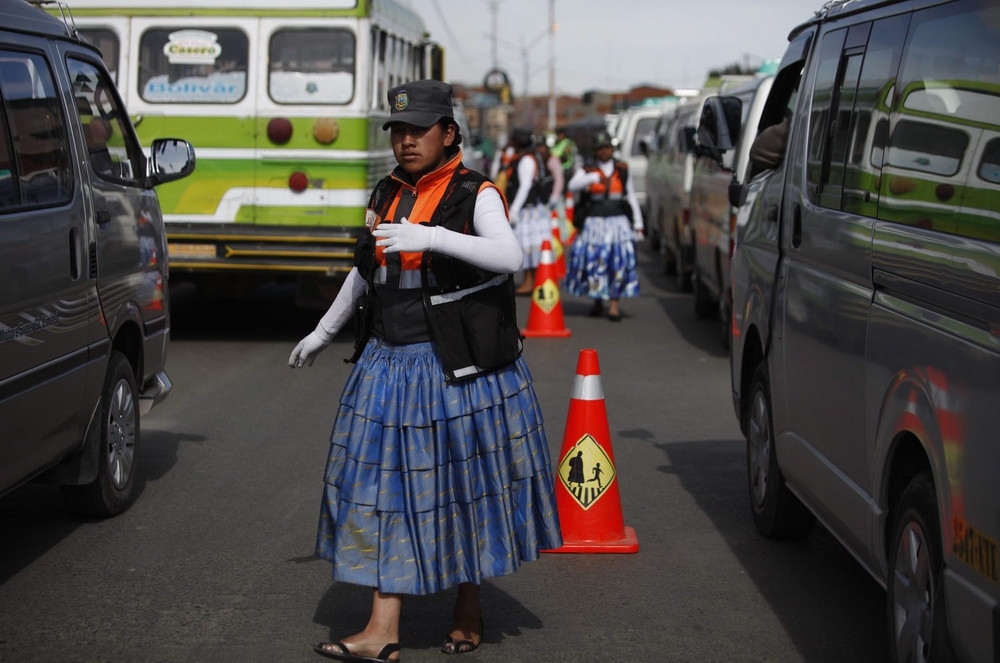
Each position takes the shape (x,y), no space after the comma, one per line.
(989,166)
(107,41)
(312,66)
(181,66)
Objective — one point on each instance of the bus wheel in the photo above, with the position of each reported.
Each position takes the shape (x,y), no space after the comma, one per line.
(914,602)
(777,512)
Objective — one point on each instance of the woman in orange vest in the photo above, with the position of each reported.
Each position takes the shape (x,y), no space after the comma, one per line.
(438,474)
(602,262)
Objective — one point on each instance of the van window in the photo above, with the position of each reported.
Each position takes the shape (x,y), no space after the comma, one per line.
(869,121)
(312,66)
(113,153)
(36,172)
(643,127)
(184,65)
(107,41)
(940,168)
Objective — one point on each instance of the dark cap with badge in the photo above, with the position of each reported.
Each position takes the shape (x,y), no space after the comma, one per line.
(420,103)
(603,139)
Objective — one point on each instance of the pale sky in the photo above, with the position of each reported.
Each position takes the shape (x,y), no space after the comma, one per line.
(609,45)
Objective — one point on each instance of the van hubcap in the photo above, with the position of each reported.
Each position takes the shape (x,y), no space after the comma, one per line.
(121,434)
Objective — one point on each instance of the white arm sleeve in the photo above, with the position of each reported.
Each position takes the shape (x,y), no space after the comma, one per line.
(633,201)
(342,308)
(581,180)
(558,183)
(525,177)
(493,247)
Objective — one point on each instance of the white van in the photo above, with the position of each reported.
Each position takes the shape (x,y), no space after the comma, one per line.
(713,215)
(632,127)
(866,309)
(84,307)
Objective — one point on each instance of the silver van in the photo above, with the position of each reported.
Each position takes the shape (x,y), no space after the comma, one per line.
(669,175)
(866,286)
(84,319)
(713,216)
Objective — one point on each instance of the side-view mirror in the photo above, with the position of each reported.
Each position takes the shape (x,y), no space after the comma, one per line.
(737,193)
(719,127)
(170,159)
(644,147)
(688,140)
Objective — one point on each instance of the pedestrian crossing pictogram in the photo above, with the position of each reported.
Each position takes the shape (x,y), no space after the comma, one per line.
(546,296)
(586,471)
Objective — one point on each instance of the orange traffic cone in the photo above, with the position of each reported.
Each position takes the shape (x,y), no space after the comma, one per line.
(590,510)
(545,317)
(557,247)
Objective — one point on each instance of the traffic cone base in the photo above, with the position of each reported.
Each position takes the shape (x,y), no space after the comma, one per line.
(587,495)
(545,317)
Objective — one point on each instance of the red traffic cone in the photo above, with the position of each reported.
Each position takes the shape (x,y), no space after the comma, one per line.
(590,510)
(557,247)
(545,317)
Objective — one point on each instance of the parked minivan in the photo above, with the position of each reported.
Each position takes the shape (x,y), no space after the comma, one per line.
(84,314)
(713,217)
(633,127)
(866,286)
(669,176)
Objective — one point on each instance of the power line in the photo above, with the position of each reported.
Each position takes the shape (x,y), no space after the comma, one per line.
(447,29)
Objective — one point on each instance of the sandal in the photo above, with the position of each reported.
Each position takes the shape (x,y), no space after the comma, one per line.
(327,649)
(453,646)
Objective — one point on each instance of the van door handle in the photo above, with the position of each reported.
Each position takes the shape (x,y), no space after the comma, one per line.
(102,216)
(796,226)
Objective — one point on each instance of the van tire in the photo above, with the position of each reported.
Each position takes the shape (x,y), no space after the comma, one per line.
(914,585)
(116,435)
(777,512)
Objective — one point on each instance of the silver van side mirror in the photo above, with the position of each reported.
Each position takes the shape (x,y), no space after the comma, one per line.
(719,127)
(170,159)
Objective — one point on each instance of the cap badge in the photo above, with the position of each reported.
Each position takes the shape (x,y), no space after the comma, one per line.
(402,101)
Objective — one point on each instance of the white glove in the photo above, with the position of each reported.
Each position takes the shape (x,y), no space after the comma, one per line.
(404,236)
(593,178)
(515,214)
(305,352)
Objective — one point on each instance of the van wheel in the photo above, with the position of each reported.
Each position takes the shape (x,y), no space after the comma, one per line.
(118,446)
(777,512)
(914,602)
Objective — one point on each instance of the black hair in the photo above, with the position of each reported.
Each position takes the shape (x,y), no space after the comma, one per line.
(445,122)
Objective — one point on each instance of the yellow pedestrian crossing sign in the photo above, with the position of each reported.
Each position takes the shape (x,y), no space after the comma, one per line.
(546,296)
(586,471)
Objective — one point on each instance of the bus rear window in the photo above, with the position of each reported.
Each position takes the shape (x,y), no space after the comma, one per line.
(201,66)
(312,66)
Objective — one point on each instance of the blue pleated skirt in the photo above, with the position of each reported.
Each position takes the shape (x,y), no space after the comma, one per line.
(602,263)
(430,484)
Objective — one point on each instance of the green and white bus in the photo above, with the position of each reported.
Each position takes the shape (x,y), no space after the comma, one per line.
(284,102)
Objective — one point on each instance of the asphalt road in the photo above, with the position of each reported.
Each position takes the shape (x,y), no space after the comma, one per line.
(214,561)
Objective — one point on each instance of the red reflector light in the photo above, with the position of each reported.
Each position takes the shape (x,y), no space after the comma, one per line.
(298,181)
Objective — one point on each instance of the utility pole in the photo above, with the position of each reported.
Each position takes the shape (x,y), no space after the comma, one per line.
(552,66)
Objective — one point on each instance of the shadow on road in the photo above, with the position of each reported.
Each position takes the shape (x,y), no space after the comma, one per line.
(809,583)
